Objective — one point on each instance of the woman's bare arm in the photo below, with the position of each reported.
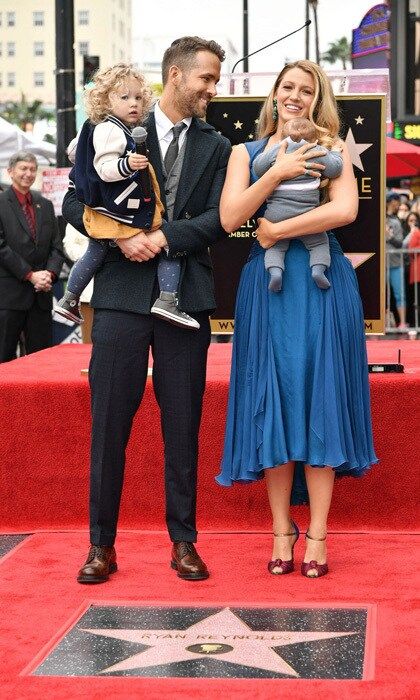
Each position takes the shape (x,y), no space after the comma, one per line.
(240,201)
(339,211)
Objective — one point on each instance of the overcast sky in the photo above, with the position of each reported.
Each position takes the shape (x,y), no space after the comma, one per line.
(267,21)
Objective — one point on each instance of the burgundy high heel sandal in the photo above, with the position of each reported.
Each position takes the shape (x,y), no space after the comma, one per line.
(286,567)
(321,569)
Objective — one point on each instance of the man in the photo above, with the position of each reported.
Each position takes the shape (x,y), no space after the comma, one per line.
(394,240)
(31,258)
(124,330)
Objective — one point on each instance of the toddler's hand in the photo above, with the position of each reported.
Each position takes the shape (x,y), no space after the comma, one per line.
(136,161)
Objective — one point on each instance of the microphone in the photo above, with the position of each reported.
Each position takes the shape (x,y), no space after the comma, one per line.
(139,135)
(307,23)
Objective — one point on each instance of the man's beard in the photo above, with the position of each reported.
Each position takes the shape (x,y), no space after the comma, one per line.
(189,104)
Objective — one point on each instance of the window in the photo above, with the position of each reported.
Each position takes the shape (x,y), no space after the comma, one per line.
(11,79)
(38,19)
(83,17)
(11,48)
(81,80)
(11,19)
(83,48)
(39,48)
(39,79)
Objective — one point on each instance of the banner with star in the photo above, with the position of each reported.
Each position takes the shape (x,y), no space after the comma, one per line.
(363,129)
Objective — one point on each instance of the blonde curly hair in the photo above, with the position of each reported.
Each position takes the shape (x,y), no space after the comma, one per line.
(106,81)
(323,112)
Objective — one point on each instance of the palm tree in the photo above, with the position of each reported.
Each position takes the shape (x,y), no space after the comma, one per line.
(339,50)
(24,113)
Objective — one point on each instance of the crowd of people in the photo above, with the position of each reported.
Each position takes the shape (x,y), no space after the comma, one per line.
(403,260)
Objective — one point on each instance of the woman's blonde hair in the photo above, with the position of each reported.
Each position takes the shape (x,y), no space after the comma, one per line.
(106,81)
(323,111)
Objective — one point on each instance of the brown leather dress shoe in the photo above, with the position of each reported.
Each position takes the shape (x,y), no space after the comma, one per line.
(101,562)
(187,562)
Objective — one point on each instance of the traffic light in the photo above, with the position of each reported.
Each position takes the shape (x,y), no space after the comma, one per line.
(90,66)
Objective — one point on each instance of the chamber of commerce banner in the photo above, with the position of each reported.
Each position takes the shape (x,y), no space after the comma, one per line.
(363,130)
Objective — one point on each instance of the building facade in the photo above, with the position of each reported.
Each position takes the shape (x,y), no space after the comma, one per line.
(27,43)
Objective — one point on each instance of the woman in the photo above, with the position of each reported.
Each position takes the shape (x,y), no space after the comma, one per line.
(299,391)
(412,242)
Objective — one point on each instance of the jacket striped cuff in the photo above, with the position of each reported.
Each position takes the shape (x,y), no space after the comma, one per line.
(124,168)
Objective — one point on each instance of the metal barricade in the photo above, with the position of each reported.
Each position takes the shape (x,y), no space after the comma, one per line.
(409,291)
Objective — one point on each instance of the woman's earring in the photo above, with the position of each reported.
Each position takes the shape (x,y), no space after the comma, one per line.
(275,110)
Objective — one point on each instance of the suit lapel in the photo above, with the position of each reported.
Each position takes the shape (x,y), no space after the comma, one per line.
(199,150)
(155,156)
(19,212)
(36,199)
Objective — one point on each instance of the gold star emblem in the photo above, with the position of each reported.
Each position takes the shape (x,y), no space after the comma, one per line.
(359,119)
(225,116)
(238,124)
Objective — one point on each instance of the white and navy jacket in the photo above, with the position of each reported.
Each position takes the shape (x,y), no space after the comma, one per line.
(102,176)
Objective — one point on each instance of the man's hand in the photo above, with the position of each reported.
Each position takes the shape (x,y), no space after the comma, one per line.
(42,280)
(139,248)
(158,238)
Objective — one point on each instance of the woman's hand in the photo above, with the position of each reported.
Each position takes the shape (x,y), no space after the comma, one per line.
(290,165)
(265,234)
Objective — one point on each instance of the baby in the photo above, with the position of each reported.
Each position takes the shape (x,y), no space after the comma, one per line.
(294,197)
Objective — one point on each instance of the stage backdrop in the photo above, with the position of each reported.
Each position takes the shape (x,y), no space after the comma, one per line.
(363,130)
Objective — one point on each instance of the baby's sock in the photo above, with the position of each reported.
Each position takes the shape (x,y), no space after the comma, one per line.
(276,279)
(319,276)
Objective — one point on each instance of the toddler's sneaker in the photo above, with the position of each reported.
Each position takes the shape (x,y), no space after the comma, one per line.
(68,306)
(166,307)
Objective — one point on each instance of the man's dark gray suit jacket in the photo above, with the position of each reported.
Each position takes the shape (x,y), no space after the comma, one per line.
(129,286)
(19,254)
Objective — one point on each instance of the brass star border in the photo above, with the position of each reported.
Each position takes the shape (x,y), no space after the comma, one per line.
(299,640)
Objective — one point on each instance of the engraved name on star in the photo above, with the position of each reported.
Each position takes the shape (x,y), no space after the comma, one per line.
(222,635)
(356,149)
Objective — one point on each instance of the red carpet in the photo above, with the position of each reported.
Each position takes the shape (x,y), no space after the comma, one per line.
(45,419)
(38,582)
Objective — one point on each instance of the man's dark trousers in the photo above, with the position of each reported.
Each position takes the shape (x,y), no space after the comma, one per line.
(118,373)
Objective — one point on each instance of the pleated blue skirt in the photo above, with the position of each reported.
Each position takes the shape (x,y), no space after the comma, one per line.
(299,385)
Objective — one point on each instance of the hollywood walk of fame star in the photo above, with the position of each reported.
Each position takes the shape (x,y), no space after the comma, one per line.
(356,149)
(359,119)
(238,124)
(222,635)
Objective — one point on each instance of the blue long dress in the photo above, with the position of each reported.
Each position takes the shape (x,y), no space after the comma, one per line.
(299,385)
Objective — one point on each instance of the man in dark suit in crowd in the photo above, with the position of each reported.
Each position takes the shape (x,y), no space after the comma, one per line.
(124,330)
(31,258)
